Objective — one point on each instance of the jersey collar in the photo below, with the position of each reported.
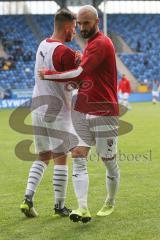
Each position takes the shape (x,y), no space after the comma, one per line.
(50,40)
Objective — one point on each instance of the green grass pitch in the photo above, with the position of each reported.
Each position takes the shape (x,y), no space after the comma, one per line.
(137,212)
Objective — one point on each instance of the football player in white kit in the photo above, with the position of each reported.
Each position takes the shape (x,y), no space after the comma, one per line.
(155,91)
(51,115)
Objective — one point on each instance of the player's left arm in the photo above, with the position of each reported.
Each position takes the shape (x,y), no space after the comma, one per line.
(70,59)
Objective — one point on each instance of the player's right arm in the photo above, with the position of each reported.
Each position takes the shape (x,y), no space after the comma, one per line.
(93,58)
(64,58)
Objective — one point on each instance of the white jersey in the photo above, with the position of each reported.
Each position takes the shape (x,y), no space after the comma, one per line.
(51,89)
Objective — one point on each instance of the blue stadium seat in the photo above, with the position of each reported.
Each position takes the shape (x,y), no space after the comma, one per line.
(133,28)
(16,28)
(144,28)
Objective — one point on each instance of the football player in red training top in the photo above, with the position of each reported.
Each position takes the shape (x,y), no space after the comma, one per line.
(124,90)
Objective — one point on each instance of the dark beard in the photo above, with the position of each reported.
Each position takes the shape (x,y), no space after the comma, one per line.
(88,34)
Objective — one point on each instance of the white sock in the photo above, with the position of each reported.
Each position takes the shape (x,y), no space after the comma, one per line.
(35,175)
(112,179)
(80,181)
(60,181)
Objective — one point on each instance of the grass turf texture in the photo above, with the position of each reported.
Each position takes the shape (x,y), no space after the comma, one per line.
(137,212)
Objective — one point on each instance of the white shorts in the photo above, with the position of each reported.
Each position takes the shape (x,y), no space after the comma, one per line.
(99,131)
(125,96)
(155,94)
(52,134)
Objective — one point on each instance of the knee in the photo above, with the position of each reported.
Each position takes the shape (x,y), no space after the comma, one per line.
(78,152)
(60,159)
(45,157)
(112,166)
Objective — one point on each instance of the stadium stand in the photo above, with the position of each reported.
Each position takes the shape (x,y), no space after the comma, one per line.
(46,27)
(140,32)
(20,43)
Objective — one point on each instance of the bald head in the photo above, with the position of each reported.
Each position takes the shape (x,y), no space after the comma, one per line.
(88,21)
(89,10)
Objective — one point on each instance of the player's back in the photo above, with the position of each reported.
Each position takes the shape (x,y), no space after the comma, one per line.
(51,90)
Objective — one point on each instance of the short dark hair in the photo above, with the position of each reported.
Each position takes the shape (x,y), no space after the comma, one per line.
(64,15)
